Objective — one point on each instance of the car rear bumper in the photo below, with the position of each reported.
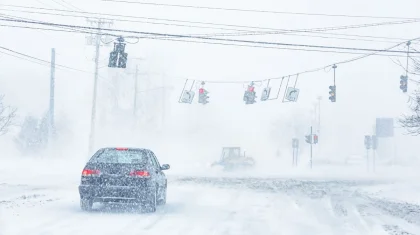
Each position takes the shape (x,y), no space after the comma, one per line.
(113,193)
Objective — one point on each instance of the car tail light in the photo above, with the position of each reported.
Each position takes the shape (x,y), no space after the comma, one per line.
(121,149)
(140,173)
(89,172)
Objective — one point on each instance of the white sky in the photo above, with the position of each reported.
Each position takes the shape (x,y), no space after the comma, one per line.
(366,89)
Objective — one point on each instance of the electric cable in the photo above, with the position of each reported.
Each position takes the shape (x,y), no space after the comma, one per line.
(257,11)
(44,61)
(203,38)
(244,28)
(283,32)
(319,68)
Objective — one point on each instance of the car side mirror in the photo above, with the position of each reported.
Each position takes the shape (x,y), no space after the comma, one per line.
(165,167)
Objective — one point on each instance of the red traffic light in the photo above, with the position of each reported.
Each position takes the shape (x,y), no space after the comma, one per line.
(251,88)
(201,91)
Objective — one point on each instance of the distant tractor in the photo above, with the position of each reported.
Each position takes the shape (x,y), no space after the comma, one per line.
(232,158)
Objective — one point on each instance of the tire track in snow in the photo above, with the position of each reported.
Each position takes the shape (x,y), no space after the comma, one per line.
(369,218)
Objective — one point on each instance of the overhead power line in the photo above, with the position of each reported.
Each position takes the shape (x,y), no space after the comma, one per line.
(256,11)
(61,4)
(152,35)
(41,60)
(284,32)
(269,31)
(239,28)
(225,44)
(280,48)
(319,68)
(22,18)
(22,58)
(71,5)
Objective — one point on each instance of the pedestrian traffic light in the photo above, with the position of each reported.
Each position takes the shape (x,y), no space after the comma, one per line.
(249,95)
(308,139)
(315,139)
(332,93)
(403,83)
(202,96)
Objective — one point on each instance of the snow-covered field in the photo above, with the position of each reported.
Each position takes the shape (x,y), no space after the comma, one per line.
(40,197)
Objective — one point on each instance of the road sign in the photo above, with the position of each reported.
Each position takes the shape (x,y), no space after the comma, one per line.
(368,141)
(265,94)
(292,94)
(384,127)
(187,97)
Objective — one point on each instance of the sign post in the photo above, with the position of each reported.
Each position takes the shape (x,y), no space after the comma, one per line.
(368,145)
(374,147)
(295,147)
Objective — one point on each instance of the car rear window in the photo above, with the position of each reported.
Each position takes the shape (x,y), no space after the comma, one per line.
(121,156)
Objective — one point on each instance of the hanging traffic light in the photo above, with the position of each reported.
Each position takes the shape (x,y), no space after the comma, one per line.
(332,93)
(315,139)
(122,62)
(308,139)
(249,95)
(403,83)
(117,57)
(202,96)
(113,59)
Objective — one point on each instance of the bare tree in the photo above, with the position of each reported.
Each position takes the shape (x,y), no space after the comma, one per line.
(7,117)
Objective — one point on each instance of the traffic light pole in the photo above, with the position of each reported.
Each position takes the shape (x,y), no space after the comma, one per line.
(95,89)
(52,87)
(367,159)
(311,147)
(373,166)
(294,156)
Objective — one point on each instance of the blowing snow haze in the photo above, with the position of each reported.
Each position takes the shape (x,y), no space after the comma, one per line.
(237,164)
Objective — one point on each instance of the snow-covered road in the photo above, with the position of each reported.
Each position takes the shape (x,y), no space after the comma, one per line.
(208,205)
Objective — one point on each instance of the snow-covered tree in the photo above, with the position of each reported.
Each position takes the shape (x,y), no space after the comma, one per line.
(7,116)
(33,135)
(411,122)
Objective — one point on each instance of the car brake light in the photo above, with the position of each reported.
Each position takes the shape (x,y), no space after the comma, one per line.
(140,173)
(121,149)
(89,172)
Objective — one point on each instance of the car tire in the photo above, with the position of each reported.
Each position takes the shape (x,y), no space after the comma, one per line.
(86,204)
(162,197)
(151,202)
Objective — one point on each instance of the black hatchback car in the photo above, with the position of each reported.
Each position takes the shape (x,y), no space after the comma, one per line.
(123,175)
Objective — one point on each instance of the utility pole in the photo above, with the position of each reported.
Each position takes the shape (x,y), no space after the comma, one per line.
(52,87)
(135,89)
(98,36)
(319,125)
(319,114)
(163,99)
